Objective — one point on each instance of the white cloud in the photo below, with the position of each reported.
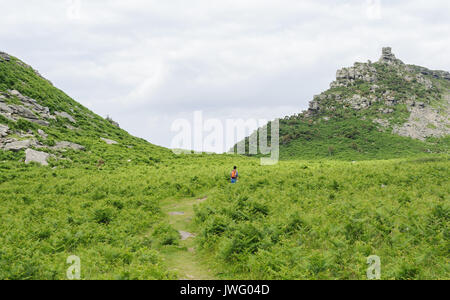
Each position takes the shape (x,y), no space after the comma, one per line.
(147,63)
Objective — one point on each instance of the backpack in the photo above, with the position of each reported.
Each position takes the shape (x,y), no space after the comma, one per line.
(233,174)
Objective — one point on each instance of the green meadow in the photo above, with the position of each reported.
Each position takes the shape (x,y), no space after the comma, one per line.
(299,219)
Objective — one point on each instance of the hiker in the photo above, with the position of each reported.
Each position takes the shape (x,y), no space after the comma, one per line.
(234,175)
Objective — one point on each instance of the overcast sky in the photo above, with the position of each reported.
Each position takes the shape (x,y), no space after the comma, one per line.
(147,63)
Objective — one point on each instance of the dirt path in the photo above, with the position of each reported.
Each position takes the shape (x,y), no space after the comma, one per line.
(184,259)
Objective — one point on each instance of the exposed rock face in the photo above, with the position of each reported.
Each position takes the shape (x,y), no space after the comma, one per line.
(388,57)
(360,71)
(109,142)
(358,102)
(425,122)
(436,74)
(29,110)
(3,130)
(42,134)
(4,57)
(36,156)
(18,145)
(389,89)
(65,115)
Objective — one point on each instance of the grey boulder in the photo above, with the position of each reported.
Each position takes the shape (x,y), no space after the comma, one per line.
(109,142)
(18,145)
(36,156)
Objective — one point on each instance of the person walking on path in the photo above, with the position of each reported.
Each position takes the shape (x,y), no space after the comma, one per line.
(234,175)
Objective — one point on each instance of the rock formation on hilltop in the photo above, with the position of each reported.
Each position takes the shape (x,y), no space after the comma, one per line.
(388,88)
(382,109)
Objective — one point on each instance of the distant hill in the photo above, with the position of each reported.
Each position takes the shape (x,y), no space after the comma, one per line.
(40,123)
(375,110)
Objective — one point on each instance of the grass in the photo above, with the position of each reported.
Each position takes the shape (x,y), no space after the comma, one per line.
(343,191)
(321,220)
(299,219)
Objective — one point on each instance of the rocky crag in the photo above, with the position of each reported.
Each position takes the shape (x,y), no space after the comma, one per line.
(406,100)
(373,110)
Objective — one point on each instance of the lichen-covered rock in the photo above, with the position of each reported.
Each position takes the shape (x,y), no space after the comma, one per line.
(19,145)
(424,122)
(388,57)
(68,145)
(36,156)
(360,71)
(65,115)
(4,129)
(42,134)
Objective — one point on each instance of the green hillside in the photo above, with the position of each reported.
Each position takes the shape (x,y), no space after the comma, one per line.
(73,183)
(380,110)
(35,111)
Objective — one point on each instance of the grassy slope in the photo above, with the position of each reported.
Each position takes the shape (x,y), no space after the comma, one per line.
(111,218)
(351,138)
(321,220)
(90,127)
(350,134)
(299,219)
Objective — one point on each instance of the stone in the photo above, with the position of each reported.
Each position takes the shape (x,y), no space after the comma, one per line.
(42,134)
(23,112)
(388,57)
(4,129)
(5,108)
(36,156)
(18,145)
(67,145)
(382,122)
(176,213)
(348,76)
(4,57)
(70,127)
(424,121)
(109,142)
(40,122)
(65,115)
(186,235)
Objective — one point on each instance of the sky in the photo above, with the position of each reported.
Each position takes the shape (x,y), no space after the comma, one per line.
(148,63)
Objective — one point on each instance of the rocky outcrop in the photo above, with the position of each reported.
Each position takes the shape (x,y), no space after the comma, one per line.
(42,134)
(425,122)
(68,145)
(4,129)
(109,142)
(424,71)
(29,110)
(387,57)
(359,102)
(360,71)
(65,115)
(14,145)
(386,88)
(36,156)
(4,57)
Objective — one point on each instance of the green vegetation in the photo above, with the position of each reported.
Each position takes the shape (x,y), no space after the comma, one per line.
(296,220)
(321,220)
(351,139)
(344,190)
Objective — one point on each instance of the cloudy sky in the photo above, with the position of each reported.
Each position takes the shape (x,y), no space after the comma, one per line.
(148,63)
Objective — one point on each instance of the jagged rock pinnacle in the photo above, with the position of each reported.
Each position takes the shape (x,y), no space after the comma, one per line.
(388,57)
